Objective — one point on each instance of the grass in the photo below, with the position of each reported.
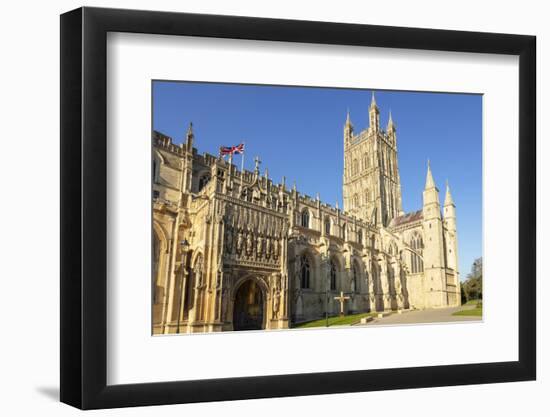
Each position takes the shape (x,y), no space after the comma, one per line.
(477,311)
(334,321)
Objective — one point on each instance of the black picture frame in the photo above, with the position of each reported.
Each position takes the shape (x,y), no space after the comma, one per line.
(84,207)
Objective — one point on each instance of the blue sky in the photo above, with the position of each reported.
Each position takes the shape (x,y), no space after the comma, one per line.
(297,132)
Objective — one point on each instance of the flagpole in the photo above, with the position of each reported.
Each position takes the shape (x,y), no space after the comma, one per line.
(242,163)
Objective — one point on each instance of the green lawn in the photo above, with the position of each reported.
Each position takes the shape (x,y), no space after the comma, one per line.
(334,321)
(470,312)
(472,302)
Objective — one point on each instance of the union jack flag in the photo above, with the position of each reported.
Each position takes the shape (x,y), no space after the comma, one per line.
(230,150)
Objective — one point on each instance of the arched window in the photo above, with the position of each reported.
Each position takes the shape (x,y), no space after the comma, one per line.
(365,161)
(344,232)
(367,196)
(305,218)
(355,278)
(304,272)
(355,201)
(417,265)
(354,167)
(392,249)
(156,257)
(332,276)
(203,180)
(327,225)
(360,236)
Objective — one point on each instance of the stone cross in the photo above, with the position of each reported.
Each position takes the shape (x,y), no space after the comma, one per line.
(341,299)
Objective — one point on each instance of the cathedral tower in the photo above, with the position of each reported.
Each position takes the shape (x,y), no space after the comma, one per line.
(451,243)
(372,187)
(434,245)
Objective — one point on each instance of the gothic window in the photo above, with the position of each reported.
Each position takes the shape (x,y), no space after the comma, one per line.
(367,196)
(327,226)
(365,161)
(392,249)
(344,232)
(417,265)
(305,218)
(355,201)
(332,276)
(354,167)
(304,272)
(203,180)
(360,237)
(156,257)
(354,279)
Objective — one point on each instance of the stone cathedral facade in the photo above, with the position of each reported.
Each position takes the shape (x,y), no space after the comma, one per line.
(234,250)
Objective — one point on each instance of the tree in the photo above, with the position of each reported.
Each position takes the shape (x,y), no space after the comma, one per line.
(472,287)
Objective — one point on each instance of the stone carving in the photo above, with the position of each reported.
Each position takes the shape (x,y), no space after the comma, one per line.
(260,246)
(249,243)
(240,242)
(268,247)
(198,273)
(229,240)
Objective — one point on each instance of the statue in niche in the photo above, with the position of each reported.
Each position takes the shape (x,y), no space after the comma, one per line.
(229,240)
(268,247)
(249,244)
(198,273)
(240,240)
(225,301)
(275,248)
(258,245)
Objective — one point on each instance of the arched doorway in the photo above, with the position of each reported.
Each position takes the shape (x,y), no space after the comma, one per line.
(248,309)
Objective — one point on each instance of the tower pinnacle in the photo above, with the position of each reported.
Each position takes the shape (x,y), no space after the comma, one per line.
(391,125)
(448,197)
(430,183)
(374,115)
(189,137)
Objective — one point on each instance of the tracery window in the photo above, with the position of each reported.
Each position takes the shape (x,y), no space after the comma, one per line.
(354,279)
(332,276)
(203,180)
(304,272)
(417,265)
(327,226)
(305,218)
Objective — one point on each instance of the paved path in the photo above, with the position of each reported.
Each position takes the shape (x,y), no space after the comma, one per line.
(438,315)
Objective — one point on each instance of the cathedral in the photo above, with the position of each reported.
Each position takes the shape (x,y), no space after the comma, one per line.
(233,250)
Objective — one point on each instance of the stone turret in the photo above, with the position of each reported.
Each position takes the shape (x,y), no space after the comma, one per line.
(348,130)
(434,246)
(449,215)
(190,136)
(374,115)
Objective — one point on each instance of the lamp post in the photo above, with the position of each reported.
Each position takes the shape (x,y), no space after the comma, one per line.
(184,247)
